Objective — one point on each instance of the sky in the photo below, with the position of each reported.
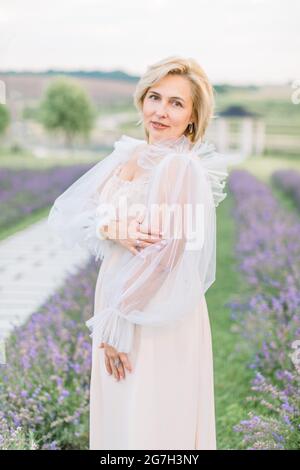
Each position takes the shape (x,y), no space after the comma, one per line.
(235,41)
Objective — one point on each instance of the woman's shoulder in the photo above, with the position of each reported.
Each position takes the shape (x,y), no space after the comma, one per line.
(201,160)
(126,146)
(128,141)
(215,166)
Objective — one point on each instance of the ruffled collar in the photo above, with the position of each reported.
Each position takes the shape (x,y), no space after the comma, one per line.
(213,163)
(181,143)
(151,154)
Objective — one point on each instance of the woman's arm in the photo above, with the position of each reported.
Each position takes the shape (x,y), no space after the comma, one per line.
(127,295)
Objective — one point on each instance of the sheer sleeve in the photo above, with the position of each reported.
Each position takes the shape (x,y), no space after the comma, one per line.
(79,212)
(180,268)
(94,216)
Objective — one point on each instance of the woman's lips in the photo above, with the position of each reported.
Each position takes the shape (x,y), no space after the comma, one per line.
(158,126)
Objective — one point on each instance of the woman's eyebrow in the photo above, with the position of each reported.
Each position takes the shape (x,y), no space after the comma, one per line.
(171,97)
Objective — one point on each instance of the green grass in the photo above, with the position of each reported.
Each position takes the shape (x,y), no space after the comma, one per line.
(27,160)
(263,166)
(24,222)
(232,376)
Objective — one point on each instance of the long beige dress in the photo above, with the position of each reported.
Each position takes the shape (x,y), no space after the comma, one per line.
(167,402)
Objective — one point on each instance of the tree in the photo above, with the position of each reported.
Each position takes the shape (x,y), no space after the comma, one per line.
(66,107)
(4,118)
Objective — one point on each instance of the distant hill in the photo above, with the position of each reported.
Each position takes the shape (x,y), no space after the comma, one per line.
(113,75)
(25,88)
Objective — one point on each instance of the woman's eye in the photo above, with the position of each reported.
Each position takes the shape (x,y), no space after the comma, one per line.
(177,102)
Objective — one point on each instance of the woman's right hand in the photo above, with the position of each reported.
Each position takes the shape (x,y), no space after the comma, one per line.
(126,232)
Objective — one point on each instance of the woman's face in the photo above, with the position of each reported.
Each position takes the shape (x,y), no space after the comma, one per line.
(168,102)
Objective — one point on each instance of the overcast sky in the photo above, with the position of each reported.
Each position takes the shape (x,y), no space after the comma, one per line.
(236,41)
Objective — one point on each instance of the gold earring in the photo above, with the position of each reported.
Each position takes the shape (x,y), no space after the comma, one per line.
(190,127)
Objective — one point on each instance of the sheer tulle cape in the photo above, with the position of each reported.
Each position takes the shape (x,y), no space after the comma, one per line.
(76,213)
(185,185)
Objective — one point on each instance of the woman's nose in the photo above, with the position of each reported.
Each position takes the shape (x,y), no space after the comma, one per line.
(161,110)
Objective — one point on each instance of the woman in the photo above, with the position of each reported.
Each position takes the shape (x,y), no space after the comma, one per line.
(148,211)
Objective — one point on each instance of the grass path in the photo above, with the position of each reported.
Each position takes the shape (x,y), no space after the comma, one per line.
(232,376)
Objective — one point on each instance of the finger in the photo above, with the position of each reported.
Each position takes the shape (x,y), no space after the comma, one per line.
(126,361)
(148,230)
(107,365)
(114,369)
(133,250)
(150,242)
(146,243)
(159,244)
(121,370)
(145,236)
(142,244)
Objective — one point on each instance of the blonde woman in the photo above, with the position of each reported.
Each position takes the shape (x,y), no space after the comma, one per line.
(148,212)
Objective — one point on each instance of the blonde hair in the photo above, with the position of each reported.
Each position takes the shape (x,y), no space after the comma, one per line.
(202,92)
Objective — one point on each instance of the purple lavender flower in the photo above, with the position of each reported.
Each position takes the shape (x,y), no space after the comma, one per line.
(268,251)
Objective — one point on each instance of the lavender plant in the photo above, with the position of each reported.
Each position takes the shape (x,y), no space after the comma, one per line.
(268,251)
(44,387)
(24,191)
(289,182)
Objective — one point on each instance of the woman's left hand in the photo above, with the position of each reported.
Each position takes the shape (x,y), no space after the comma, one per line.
(111,354)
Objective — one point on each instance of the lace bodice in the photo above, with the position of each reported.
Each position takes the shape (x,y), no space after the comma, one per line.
(134,191)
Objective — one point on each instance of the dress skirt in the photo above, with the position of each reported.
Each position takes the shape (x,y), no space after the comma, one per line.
(167,401)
